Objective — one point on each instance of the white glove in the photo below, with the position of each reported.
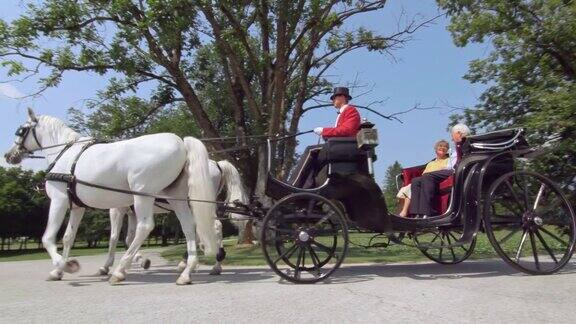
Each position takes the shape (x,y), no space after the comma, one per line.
(318,130)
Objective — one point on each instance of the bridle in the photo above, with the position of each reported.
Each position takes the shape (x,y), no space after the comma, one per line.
(22,133)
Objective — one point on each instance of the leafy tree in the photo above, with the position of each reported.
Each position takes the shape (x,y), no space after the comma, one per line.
(530,73)
(237,67)
(389,187)
(95,227)
(22,208)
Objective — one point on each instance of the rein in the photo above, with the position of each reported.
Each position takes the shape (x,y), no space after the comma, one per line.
(72,181)
(70,178)
(247,147)
(208,139)
(59,145)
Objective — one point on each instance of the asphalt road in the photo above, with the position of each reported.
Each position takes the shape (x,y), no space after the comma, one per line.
(475,291)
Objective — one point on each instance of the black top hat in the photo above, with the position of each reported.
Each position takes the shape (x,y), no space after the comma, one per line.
(341,91)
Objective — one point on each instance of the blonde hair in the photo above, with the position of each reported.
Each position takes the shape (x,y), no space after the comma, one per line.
(441,143)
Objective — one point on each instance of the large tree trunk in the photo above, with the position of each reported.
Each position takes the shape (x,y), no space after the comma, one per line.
(247,235)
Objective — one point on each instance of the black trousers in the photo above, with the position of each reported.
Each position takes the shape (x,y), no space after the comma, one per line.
(424,189)
(308,164)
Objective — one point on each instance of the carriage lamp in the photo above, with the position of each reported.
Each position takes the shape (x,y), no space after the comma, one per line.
(367,139)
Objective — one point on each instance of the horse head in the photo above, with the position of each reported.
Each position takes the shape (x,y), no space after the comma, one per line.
(26,140)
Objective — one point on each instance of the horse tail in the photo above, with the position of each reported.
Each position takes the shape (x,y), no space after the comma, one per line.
(233,182)
(200,187)
(234,188)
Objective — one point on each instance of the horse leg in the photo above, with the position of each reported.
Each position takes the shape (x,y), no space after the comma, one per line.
(182,264)
(131,230)
(58,208)
(116,218)
(144,207)
(76,214)
(217,268)
(144,262)
(184,214)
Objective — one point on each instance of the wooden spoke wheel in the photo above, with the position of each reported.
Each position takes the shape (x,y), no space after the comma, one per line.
(437,245)
(529,222)
(304,238)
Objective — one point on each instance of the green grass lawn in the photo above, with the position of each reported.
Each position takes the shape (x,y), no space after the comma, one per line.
(252,255)
(39,254)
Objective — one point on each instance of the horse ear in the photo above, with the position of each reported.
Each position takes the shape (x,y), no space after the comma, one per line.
(32,115)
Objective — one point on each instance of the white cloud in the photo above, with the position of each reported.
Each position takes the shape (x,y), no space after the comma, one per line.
(10,91)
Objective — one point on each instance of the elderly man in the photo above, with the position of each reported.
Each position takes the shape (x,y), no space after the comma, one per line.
(424,188)
(347,125)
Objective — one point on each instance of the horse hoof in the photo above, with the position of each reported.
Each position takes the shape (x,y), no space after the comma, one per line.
(181,266)
(216,271)
(103,271)
(72,266)
(183,281)
(146,264)
(54,276)
(115,280)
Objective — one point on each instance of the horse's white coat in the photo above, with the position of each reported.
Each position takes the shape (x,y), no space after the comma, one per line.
(160,164)
(229,178)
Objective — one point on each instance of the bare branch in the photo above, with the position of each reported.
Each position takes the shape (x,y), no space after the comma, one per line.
(150,112)
(417,107)
(234,62)
(241,32)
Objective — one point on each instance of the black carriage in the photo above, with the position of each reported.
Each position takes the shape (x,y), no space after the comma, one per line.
(528,221)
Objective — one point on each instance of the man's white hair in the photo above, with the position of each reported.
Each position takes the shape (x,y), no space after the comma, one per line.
(461,128)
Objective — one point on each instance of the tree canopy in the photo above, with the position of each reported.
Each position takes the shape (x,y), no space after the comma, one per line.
(22,208)
(233,67)
(530,72)
(389,187)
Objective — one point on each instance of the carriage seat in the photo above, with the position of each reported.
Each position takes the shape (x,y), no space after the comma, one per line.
(496,141)
(343,156)
(441,200)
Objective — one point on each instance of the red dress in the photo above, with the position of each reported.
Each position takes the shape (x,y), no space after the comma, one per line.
(347,125)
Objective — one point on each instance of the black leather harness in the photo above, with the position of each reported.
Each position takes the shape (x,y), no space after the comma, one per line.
(70,179)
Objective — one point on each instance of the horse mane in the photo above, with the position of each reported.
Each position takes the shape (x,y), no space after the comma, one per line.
(57,129)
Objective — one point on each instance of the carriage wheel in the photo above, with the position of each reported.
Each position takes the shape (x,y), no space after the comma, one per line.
(443,238)
(529,222)
(304,238)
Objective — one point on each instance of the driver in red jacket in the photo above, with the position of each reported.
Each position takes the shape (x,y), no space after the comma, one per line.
(347,125)
(348,120)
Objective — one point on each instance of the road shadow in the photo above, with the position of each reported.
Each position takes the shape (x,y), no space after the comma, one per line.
(432,271)
(163,274)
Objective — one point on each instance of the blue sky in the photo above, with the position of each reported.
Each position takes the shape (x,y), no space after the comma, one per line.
(427,71)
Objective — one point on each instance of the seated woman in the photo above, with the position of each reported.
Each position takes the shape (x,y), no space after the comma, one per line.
(439,163)
(425,187)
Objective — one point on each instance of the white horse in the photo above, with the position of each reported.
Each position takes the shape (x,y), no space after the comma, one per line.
(223,175)
(159,164)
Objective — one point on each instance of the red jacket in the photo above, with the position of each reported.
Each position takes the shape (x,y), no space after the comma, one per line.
(347,126)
